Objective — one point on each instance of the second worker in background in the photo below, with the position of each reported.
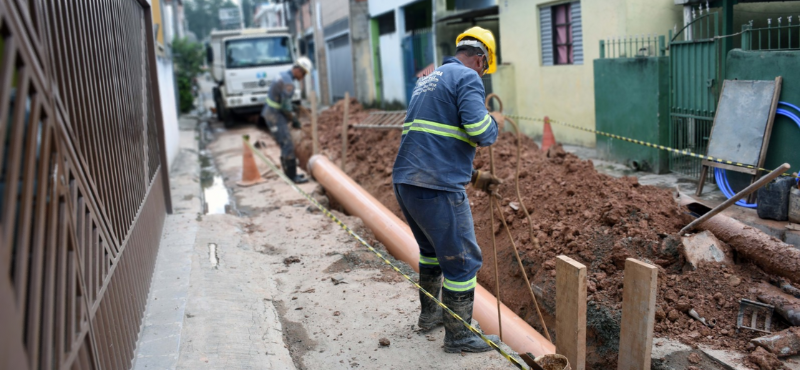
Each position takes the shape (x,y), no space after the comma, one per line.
(278,112)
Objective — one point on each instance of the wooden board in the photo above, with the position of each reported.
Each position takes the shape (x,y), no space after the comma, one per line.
(345,123)
(749,171)
(772,110)
(312,97)
(571,311)
(638,315)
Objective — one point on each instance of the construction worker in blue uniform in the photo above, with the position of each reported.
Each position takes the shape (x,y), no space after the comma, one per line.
(445,123)
(279,111)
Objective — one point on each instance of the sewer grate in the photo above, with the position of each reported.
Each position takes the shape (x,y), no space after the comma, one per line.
(753,308)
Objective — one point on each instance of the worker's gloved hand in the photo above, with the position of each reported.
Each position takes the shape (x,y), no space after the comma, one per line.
(295,121)
(500,119)
(486,181)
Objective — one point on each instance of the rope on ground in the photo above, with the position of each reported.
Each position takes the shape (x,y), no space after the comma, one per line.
(534,240)
(650,145)
(358,238)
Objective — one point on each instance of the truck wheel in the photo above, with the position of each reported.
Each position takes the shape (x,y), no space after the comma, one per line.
(220,110)
(228,118)
(218,103)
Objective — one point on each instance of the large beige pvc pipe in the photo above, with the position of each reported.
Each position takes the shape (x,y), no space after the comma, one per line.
(398,239)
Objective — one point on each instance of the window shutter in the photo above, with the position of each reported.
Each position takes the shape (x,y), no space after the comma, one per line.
(577,33)
(546,30)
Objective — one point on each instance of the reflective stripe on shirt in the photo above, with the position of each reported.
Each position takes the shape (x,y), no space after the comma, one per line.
(273,104)
(474,129)
(439,129)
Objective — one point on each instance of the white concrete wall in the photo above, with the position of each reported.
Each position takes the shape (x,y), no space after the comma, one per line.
(334,10)
(393,79)
(169,110)
(391,53)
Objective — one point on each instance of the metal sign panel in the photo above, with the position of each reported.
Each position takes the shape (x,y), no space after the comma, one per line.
(741,121)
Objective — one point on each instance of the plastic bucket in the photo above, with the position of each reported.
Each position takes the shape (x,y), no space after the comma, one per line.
(553,362)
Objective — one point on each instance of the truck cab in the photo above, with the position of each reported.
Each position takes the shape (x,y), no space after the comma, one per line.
(244,63)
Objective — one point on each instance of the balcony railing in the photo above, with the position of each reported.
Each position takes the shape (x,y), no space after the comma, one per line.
(779,34)
(632,47)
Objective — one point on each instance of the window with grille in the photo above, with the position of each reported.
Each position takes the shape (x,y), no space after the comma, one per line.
(561,34)
(386,23)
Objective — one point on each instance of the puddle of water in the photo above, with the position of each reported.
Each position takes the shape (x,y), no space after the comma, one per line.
(216,197)
(212,254)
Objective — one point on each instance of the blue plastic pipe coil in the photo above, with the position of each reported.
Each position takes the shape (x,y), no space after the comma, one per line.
(721,176)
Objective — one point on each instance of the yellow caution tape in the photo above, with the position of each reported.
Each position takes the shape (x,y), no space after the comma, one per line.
(357,237)
(656,146)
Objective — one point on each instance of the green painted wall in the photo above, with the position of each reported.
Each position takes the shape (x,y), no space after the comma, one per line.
(631,100)
(766,65)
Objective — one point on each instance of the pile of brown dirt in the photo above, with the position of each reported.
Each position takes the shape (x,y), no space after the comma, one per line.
(596,219)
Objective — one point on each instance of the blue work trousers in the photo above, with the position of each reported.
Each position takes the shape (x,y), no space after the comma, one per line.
(442,225)
(279,127)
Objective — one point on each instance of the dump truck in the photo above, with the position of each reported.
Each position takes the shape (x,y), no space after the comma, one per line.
(243,64)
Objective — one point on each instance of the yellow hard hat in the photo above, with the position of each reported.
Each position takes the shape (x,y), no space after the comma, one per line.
(487,38)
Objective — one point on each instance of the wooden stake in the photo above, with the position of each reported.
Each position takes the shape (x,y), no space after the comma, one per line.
(571,311)
(638,315)
(312,97)
(344,128)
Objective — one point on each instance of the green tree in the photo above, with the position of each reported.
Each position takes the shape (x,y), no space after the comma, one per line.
(203,15)
(188,57)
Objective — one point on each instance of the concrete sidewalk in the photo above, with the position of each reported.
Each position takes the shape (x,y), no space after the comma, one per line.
(197,316)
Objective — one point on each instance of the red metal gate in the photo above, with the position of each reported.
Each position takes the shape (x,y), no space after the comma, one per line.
(83,183)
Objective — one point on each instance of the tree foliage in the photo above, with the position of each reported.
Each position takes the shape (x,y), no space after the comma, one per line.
(188,58)
(203,15)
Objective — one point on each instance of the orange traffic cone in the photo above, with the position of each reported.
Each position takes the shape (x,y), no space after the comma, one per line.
(250,174)
(548,139)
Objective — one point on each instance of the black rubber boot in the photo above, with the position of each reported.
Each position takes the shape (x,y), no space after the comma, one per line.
(457,338)
(290,169)
(430,279)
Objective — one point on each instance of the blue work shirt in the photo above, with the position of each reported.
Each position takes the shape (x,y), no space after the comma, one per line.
(279,95)
(445,122)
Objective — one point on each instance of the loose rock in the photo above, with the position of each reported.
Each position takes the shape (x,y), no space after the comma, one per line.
(765,360)
(290,260)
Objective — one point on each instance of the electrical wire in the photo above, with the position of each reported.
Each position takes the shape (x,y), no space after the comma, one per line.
(721,176)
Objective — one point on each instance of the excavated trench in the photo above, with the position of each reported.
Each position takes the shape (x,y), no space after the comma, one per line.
(593,218)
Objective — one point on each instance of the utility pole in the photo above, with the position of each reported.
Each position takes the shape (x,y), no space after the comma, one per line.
(241,15)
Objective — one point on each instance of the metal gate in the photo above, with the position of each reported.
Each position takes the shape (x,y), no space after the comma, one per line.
(340,67)
(83,186)
(695,80)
